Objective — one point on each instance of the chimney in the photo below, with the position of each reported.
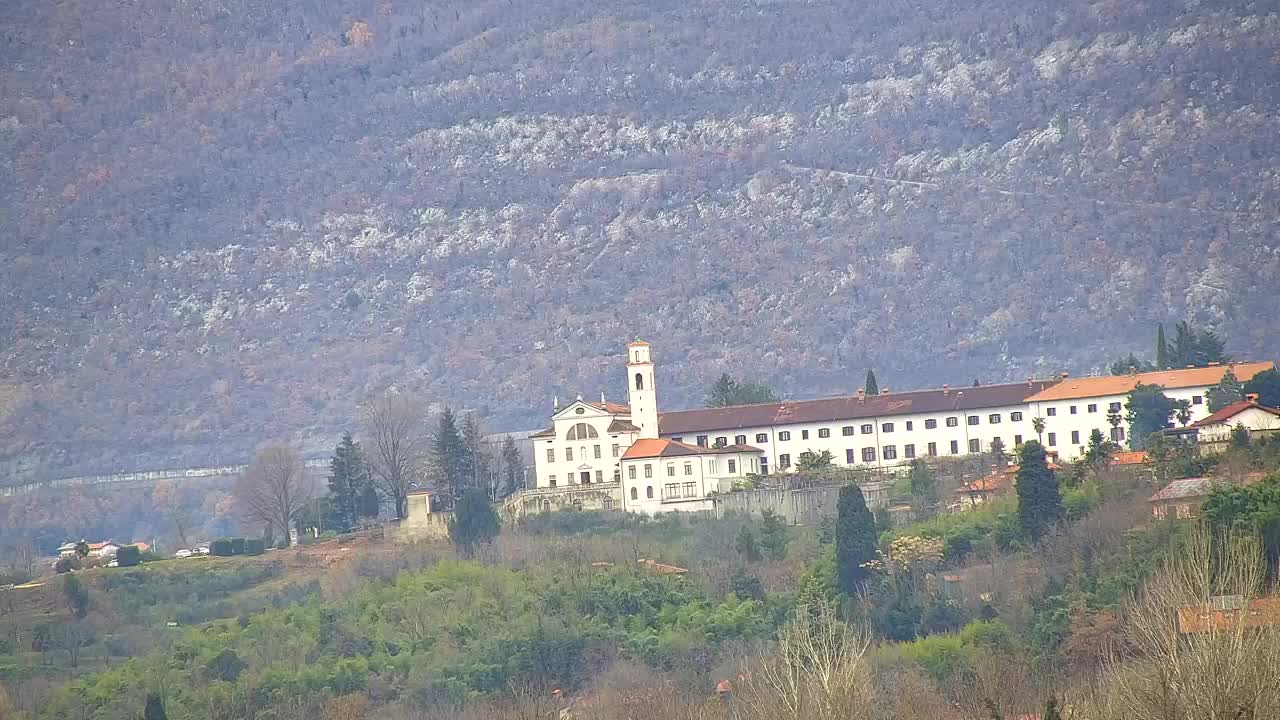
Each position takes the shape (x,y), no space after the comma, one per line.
(862,394)
(1030,381)
(1251,397)
(1133,369)
(884,391)
(946,389)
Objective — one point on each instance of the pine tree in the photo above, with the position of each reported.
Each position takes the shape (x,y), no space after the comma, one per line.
(346,481)
(1099,449)
(773,535)
(474,522)
(448,457)
(1227,391)
(1162,348)
(369,505)
(1039,497)
(924,486)
(474,463)
(999,456)
(855,540)
(872,387)
(154,709)
(723,391)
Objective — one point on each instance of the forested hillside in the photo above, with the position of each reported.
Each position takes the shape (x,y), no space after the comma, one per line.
(225,221)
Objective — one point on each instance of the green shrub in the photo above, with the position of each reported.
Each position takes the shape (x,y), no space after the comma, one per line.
(237,546)
(254,546)
(128,556)
(221,547)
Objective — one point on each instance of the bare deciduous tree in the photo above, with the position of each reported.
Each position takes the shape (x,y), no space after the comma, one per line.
(167,501)
(273,489)
(1225,668)
(396,445)
(817,672)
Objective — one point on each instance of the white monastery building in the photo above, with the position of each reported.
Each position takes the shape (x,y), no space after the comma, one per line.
(633,457)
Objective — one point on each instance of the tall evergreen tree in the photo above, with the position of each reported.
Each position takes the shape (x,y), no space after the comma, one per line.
(1148,410)
(1227,391)
(924,486)
(449,459)
(1039,497)
(346,481)
(475,464)
(747,546)
(1162,349)
(999,455)
(773,535)
(872,387)
(1266,385)
(855,539)
(512,467)
(728,390)
(474,521)
(154,709)
(369,505)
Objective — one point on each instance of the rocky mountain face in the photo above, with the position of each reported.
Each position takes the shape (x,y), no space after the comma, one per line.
(232,221)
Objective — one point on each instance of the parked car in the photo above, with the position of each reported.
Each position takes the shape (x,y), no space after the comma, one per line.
(202,550)
(184,553)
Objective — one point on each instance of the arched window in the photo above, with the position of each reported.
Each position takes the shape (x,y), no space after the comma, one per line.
(581,431)
(635,494)
(648,492)
(639,381)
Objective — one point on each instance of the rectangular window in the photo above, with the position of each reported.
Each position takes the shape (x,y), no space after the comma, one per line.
(804,434)
(1053,439)
(596,451)
(886,427)
(713,467)
(975,445)
(551,480)
(909,451)
(1113,407)
(824,432)
(739,439)
(721,441)
(784,436)
(847,430)
(955,447)
(690,490)
(702,441)
(867,429)
(762,437)
(1051,412)
(1117,434)
(953,421)
(648,470)
(1015,417)
(764,466)
(551,454)
(1017,440)
(1073,409)
(568,453)
(688,468)
(848,456)
(931,424)
(868,455)
(671,470)
(784,461)
(890,452)
(933,449)
(909,426)
(599,476)
(1091,407)
(677,439)
(1197,399)
(671,491)
(733,466)
(972,420)
(617,449)
(1075,437)
(993,419)
(631,472)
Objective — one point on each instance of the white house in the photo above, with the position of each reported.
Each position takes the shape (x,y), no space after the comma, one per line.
(665,475)
(1073,408)
(1214,432)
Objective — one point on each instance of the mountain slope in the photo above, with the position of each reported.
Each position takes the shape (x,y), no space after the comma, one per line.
(233,221)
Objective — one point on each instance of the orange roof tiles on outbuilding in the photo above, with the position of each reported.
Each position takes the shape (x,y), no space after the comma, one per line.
(1073,388)
(1231,411)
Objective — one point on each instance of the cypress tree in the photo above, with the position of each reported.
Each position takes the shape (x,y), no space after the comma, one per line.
(855,539)
(1039,497)
(154,709)
(448,456)
(872,387)
(512,465)
(345,481)
(369,505)
(1162,348)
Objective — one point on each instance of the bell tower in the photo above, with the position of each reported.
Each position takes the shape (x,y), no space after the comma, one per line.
(641,393)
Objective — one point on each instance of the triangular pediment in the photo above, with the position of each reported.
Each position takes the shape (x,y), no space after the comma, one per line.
(580,409)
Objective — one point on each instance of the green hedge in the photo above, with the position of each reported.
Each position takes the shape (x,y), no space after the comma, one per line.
(225,547)
(128,556)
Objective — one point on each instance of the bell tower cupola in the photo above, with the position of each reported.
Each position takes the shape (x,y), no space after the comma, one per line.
(641,392)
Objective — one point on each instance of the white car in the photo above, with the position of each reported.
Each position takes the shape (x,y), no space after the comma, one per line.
(183,554)
(202,550)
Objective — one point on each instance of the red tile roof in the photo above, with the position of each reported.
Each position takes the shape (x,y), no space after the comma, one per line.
(1136,457)
(650,448)
(612,407)
(1088,387)
(848,408)
(1231,411)
(732,449)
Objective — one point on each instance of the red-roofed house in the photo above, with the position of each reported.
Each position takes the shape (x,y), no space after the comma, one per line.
(1214,432)
(661,475)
